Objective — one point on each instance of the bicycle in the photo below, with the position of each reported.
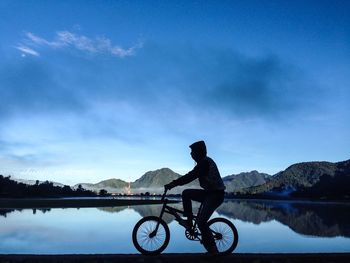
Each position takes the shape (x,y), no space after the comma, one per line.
(151,234)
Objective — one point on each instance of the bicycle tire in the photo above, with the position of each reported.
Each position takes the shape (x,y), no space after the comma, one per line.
(225,234)
(141,235)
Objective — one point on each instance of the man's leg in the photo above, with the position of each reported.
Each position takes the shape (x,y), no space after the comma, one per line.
(211,202)
(191,194)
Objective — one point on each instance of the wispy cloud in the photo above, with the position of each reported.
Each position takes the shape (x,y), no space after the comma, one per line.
(27,50)
(65,39)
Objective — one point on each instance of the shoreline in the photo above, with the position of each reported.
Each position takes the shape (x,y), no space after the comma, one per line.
(170,258)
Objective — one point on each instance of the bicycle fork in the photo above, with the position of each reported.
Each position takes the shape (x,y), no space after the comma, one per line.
(154,232)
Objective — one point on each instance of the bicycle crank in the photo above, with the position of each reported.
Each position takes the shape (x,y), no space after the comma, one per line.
(192,234)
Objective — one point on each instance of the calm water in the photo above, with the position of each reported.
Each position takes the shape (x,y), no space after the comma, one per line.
(263,227)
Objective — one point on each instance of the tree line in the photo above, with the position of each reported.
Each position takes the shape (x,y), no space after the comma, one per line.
(14,189)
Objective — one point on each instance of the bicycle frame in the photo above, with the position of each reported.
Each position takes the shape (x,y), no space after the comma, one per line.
(174,212)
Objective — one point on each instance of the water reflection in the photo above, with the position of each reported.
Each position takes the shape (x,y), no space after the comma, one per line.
(150,210)
(306,218)
(66,231)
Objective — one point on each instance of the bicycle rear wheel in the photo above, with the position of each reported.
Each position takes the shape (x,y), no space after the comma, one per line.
(225,234)
(146,239)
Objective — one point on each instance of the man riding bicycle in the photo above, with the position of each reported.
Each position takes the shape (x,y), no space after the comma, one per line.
(211,196)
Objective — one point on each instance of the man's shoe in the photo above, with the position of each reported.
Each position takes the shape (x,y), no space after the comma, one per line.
(186,223)
(213,251)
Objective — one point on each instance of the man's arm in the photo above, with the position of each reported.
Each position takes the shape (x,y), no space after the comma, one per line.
(197,171)
(187,178)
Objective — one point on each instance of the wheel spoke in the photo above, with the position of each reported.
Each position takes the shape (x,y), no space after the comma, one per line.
(147,243)
(224,235)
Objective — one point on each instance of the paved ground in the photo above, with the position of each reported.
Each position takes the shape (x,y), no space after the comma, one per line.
(180,258)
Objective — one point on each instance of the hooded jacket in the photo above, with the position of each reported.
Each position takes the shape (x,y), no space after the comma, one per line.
(207,173)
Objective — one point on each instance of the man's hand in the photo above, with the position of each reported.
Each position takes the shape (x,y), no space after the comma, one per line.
(169,186)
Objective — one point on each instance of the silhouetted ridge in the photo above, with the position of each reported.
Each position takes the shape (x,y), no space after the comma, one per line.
(155,179)
(306,173)
(12,188)
(318,176)
(110,185)
(241,181)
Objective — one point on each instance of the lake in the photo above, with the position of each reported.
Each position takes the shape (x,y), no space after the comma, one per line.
(263,227)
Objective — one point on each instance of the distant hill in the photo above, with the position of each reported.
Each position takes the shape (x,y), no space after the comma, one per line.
(155,179)
(329,186)
(237,182)
(33,182)
(111,185)
(302,175)
(305,174)
(13,189)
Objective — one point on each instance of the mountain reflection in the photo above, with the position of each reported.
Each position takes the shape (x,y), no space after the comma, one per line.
(5,212)
(145,210)
(313,219)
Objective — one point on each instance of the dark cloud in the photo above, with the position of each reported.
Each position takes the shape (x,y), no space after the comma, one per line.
(220,80)
(156,79)
(259,87)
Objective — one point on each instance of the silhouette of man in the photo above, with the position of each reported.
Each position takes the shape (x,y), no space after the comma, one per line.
(211,196)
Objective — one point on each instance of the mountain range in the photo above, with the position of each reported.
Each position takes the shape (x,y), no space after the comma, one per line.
(151,181)
(301,176)
(297,177)
(238,182)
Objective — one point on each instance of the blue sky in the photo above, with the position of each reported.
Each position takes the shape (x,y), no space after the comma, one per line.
(92,90)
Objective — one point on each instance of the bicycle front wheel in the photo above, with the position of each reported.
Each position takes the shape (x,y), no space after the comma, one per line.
(225,234)
(151,235)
